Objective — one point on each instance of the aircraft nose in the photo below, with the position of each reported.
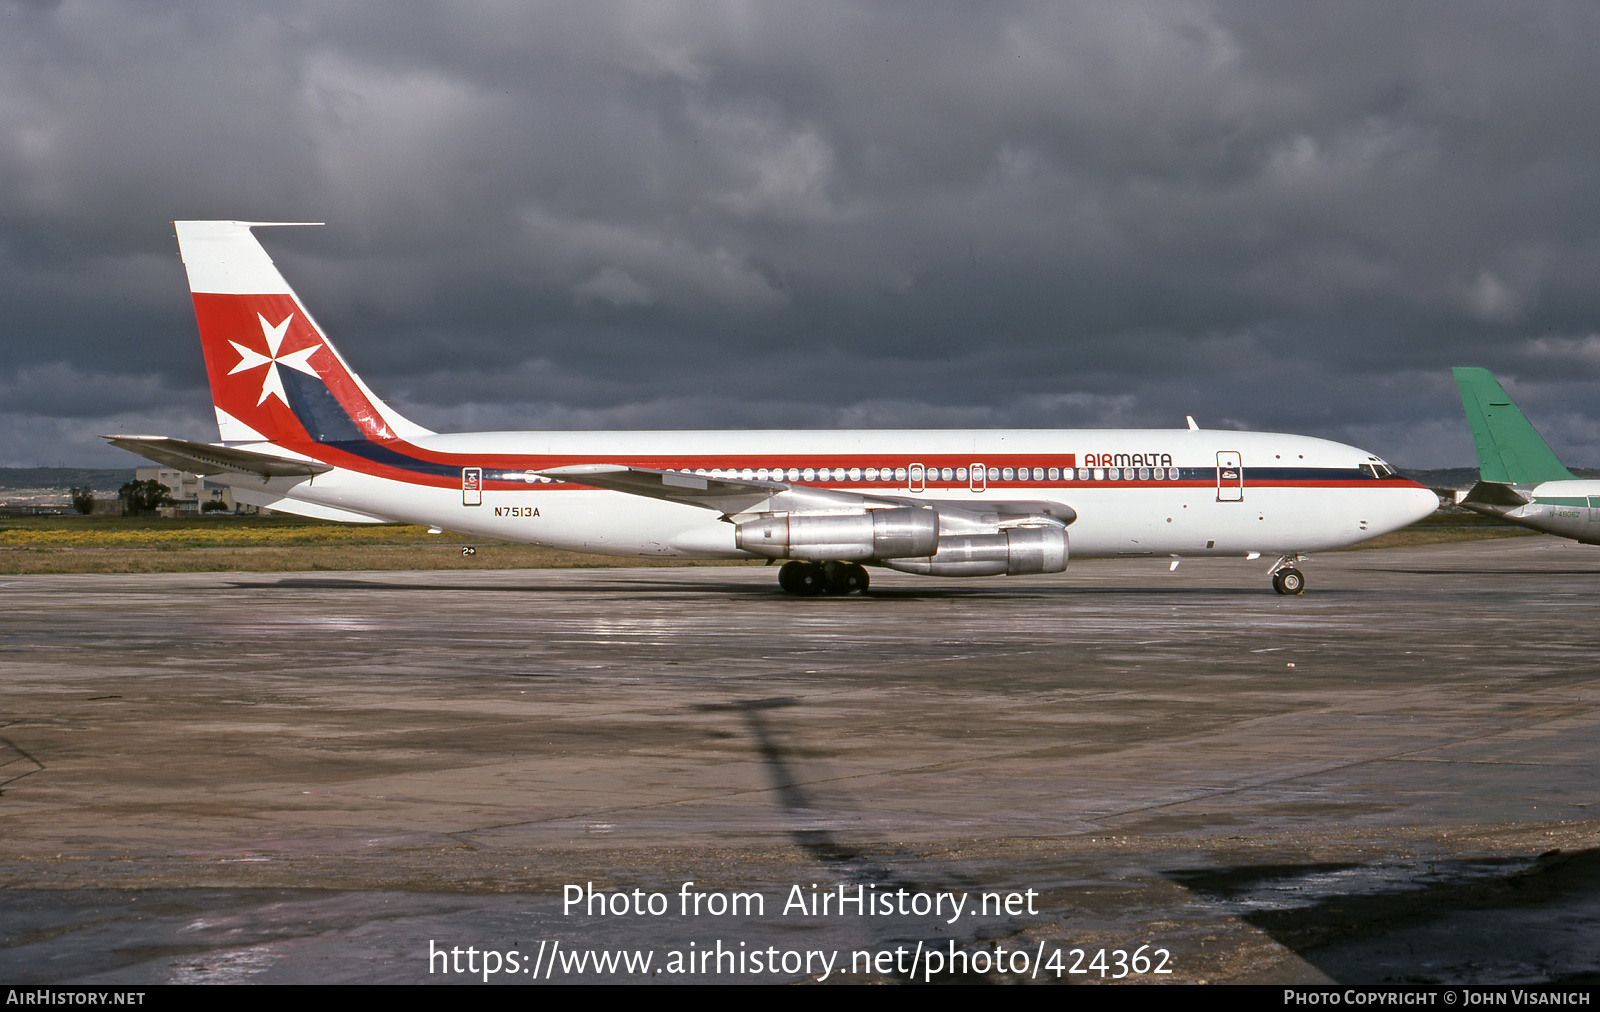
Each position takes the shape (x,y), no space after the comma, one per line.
(1419,502)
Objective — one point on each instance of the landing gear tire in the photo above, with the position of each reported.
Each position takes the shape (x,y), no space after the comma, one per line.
(803,578)
(844,577)
(1289,581)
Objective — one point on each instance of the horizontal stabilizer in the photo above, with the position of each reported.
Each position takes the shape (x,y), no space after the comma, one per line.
(1491,493)
(206,458)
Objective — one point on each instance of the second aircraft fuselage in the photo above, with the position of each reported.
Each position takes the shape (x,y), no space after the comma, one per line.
(1570,509)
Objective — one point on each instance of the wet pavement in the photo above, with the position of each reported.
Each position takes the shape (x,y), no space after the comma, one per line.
(313,777)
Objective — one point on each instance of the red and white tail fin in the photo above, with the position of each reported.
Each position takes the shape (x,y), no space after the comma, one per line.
(274,375)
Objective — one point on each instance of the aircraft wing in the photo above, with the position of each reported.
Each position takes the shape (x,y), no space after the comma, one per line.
(736,496)
(727,496)
(206,458)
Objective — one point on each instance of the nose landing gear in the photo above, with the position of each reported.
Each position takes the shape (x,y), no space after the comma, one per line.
(808,579)
(1286,579)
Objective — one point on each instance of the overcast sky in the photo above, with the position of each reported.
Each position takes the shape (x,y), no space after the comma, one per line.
(1278,216)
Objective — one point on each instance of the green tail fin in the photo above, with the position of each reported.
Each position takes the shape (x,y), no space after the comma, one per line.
(1509,449)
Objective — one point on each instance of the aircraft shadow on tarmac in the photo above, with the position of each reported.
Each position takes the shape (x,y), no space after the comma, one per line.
(822,845)
(334,583)
(1490,921)
(797,805)
(1013,591)
(757,590)
(15,764)
(1485,572)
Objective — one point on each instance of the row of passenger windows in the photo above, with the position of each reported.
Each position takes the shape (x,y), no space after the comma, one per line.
(918,473)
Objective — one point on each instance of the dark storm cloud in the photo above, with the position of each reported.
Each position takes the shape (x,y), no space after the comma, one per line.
(741,214)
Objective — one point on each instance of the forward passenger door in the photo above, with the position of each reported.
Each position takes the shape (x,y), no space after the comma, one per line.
(1230,476)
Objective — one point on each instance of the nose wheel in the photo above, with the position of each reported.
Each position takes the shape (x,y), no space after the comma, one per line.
(1286,579)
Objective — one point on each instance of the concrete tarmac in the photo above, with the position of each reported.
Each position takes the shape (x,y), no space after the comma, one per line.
(327,777)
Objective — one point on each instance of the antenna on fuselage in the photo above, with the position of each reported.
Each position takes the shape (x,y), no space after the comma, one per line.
(1192,426)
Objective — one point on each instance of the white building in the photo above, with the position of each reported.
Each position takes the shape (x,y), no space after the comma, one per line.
(190,492)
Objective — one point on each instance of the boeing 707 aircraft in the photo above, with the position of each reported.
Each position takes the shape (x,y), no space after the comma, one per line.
(1519,478)
(300,432)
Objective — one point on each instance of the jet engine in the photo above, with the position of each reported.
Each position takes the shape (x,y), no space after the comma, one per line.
(1013,552)
(899,533)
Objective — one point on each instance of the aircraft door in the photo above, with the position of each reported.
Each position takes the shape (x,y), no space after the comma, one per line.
(1230,477)
(472,486)
(979,479)
(917,477)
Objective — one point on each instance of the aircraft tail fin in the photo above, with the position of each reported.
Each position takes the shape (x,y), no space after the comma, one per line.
(1510,450)
(274,375)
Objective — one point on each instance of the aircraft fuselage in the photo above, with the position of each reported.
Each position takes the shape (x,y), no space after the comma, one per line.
(1135,492)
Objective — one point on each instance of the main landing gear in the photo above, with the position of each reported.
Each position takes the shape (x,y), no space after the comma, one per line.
(1286,579)
(811,578)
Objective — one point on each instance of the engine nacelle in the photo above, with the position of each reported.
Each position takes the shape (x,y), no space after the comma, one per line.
(1012,552)
(901,533)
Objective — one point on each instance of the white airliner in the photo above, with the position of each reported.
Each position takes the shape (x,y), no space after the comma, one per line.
(301,433)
